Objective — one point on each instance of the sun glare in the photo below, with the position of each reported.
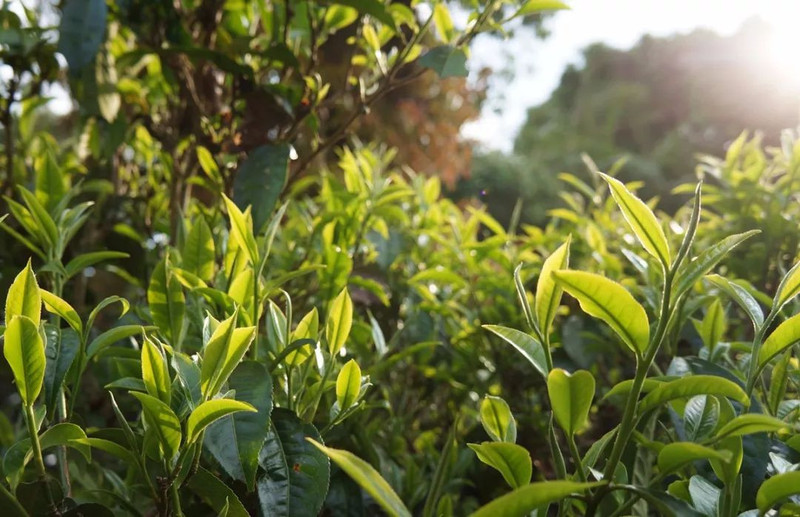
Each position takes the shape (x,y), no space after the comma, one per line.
(784,46)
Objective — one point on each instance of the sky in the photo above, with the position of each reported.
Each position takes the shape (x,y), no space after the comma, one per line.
(537,65)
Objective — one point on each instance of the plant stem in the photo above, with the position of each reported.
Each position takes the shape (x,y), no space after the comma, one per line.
(30,420)
(576,457)
(175,500)
(758,340)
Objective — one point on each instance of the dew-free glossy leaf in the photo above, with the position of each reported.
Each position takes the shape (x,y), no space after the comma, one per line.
(108,446)
(167,302)
(788,288)
(697,268)
(236,440)
(571,398)
(43,220)
(526,344)
(84,260)
(497,419)
(700,417)
(155,373)
(62,309)
(216,494)
(641,220)
(368,479)
(612,303)
(339,322)
(740,295)
(525,499)
(675,455)
(208,412)
(24,351)
(348,384)
(24,297)
(260,180)
(111,336)
(713,324)
(198,251)
(60,351)
(511,460)
(776,489)
(785,335)
(691,386)
(164,423)
(63,434)
(538,6)
(750,423)
(242,230)
(548,292)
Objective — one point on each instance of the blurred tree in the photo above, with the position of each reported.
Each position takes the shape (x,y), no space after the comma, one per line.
(658,104)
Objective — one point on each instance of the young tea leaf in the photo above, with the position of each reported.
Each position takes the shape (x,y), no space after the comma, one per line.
(525,344)
(209,412)
(674,456)
(776,489)
(690,386)
(571,398)
(740,295)
(164,423)
(510,459)
(348,384)
(548,292)
(340,319)
(497,419)
(785,335)
(62,309)
(524,500)
(155,373)
(24,351)
(24,297)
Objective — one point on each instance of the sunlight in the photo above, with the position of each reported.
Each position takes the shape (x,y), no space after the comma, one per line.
(784,50)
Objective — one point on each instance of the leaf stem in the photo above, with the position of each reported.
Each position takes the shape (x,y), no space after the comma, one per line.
(30,420)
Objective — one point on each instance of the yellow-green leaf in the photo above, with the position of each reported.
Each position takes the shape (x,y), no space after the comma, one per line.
(788,288)
(612,303)
(691,386)
(673,456)
(751,423)
(24,351)
(525,499)
(154,371)
(348,384)
(367,478)
(164,423)
(242,229)
(548,292)
(511,460)
(198,251)
(62,309)
(210,411)
(167,302)
(571,398)
(641,219)
(497,419)
(776,489)
(340,320)
(785,335)
(24,297)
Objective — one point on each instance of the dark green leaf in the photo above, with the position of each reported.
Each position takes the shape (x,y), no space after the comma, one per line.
(82,31)
(445,60)
(260,181)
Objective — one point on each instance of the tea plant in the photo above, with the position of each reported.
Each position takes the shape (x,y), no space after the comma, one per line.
(717,413)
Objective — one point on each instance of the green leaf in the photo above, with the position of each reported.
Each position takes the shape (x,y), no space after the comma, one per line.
(85,260)
(612,303)
(641,220)
(674,456)
(548,292)
(338,16)
(497,419)
(216,494)
(236,440)
(526,344)
(691,386)
(740,295)
(445,60)
(242,230)
(697,268)
(571,398)
(82,31)
(24,297)
(111,336)
(63,434)
(700,417)
(43,220)
(155,373)
(525,499)
(776,489)
(522,296)
(24,351)
(727,470)
(167,303)
(211,411)
(60,351)
(511,460)
(62,309)
(208,164)
(713,325)
(443,23)
(225,348)
(296,474)
(198,251)
(751,423)
(260,181)
(105,302)
(340,320)
(784,336)
(374,8)
(108,446)
(368,479)
(348,384)
(788,288)
(50,185)
(164,423)
(539,6)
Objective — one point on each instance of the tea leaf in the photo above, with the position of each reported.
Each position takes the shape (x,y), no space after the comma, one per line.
(785,335)
(367,478)
(260,180)
(571,398)
(511,460)
(788,288)
(776,489)
(242,230)
(612,303)
(111,336)
(24,351)
(59,307)
(548,292)
(167,302)
(348,384)
(740,295)
(750,423)
(641,220)
(340,319)
(497,419)
(24,297)
(216,494)
(85,260)
(525,344)
(154,371)
(691,386)
(209,412)
(60,351)
(198,251)
(675,455)
(525,499)
(695,269)
(164,423)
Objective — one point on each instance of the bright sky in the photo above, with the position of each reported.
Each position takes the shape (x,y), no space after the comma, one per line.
(537,65)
